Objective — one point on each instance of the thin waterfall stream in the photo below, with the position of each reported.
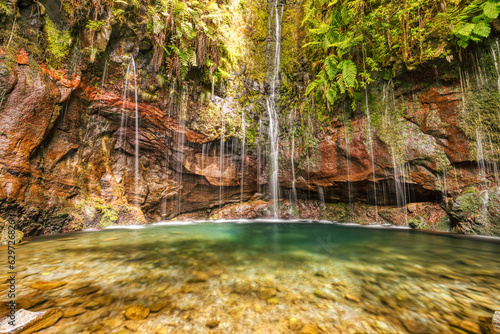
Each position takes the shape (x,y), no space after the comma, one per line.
(123,125)
(243,143)
(136,161)
(276,15)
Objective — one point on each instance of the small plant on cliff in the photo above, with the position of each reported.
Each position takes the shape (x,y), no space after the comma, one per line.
(5,8)
(475,21)
(59,43)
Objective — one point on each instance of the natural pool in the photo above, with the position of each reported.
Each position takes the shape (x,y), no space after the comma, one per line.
(261,277)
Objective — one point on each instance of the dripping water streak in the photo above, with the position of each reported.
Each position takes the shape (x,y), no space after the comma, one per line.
(123,120)
(496,55)
(259,154)
(294,191)
(180,145)
(370,143)
(221,159)
(462,87)
(136,162)
(348,157)
(11,33)
(495,164)
(243,143)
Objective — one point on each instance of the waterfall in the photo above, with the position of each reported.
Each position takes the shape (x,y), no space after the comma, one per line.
(321,194)
(123,125)
(243,142)
(259,158)
(345,120)
(180,145)
(168,146)
(482,172)
(221,161)
(400,186)
(370,143)
(494,163)
(495,51)
(271,103)
(123,119)
(136,162)
(294,191)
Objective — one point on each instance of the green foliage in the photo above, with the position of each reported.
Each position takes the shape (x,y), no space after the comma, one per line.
(350,42)
(184,34)
(58,43)
(5,8)
(95,25)
(474,22)
(190,34)
(109,214)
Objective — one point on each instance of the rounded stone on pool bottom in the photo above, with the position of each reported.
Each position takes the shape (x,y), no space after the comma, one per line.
(136,312)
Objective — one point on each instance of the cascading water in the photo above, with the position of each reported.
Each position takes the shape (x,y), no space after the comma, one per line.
(123,125)
(168,153)
(180,146)
(495,164)
(259,156)
(482,172)
(123,119)
(221,157)
(275,15)
(370,144)
(400,185)
(243,143)
(136,161)
(495,51)
(345,120)
(294,191)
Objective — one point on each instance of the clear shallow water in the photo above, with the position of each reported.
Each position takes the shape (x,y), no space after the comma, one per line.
(262,277)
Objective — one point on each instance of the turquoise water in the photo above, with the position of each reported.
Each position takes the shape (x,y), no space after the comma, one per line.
(262,277)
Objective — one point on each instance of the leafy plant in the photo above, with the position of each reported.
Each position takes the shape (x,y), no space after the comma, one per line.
(475,21)
(351,41)
(59,43)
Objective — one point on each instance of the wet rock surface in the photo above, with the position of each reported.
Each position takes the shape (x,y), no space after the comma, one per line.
(67,160)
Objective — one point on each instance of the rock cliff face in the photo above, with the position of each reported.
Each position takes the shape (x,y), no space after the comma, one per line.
(65,157)
(67,162)
(411,153)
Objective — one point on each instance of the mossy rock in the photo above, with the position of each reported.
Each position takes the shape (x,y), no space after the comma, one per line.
(466,204)
(444,224)
(418,223)
(475,212)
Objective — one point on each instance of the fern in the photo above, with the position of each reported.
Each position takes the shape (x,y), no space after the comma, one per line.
(331,95)
(482,29)
(491,10)
(464,30)
(349,72)
(331,67)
